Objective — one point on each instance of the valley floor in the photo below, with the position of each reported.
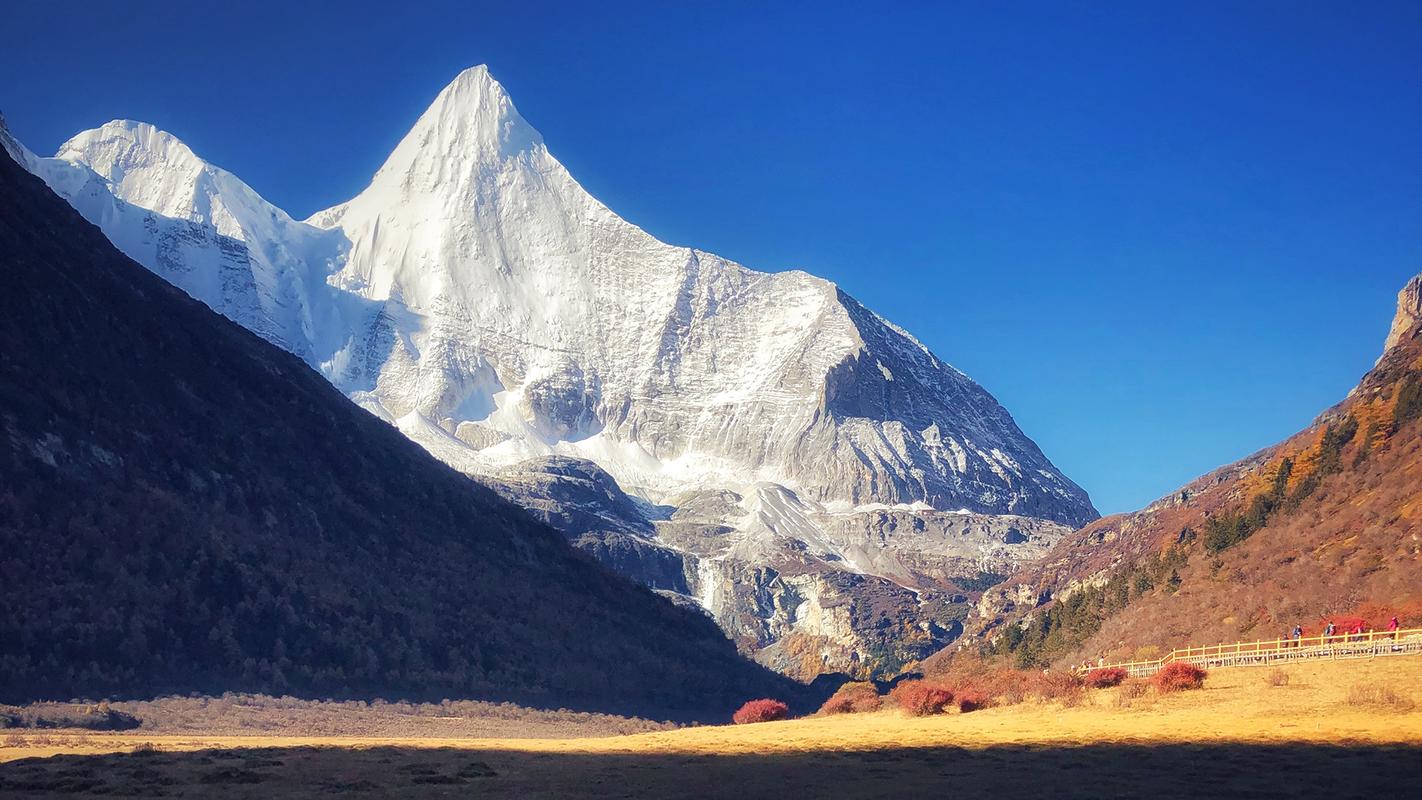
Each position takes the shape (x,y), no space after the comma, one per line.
(1239,736)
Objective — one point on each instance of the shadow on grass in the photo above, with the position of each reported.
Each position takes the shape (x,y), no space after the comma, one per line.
(1095,771)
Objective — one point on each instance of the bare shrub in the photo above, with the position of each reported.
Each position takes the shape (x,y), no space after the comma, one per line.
(1010,689)
(1063,686)
(1277,677)
(998,686)
(1371,695)
(1130,691)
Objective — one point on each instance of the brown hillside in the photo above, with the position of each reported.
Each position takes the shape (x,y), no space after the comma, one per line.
(1325,524)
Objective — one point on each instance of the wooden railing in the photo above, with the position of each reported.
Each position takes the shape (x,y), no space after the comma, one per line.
(1370,644)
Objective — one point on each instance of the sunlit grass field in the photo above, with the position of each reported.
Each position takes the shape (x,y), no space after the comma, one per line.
(1330,729)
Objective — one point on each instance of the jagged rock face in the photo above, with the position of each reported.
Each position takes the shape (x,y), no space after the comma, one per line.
(478,298)
(803,589)
(1409,313)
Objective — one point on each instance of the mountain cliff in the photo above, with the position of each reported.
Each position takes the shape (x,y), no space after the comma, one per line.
(1327,523)
(184,507)
(763,426)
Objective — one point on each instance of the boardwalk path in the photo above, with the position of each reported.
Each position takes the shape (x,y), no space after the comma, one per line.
(1373,644)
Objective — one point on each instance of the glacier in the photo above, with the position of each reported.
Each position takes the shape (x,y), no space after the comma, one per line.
(749,442)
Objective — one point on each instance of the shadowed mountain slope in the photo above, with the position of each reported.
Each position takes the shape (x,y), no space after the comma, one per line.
(184,507)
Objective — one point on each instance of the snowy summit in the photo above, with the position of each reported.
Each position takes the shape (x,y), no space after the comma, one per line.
(475,296)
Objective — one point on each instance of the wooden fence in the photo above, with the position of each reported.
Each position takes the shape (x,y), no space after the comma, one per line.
(1371,644)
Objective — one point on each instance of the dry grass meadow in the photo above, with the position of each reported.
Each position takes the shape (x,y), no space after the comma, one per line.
(1346,729)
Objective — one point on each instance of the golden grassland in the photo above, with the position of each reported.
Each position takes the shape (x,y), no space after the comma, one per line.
(1240,734)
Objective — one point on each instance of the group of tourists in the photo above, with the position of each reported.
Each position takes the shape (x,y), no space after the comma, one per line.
(1354,633)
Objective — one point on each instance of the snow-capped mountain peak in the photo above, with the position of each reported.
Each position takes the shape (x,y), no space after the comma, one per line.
(470,127)
(476,285)
(153,169)
(476,296)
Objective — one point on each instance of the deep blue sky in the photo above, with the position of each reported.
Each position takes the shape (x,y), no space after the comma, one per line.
(1164,235)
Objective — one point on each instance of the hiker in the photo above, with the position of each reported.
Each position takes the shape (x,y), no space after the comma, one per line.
(1298,636)
(1392,627)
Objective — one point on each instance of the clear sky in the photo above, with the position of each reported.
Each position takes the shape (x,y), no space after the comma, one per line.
(1164,235)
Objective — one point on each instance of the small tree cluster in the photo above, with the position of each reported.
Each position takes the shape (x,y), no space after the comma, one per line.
(1075,618)
(763,710)
(1409,400)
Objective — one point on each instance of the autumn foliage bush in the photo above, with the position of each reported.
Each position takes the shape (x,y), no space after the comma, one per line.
(852,698)
(922,698)
(764,710)
(1178,677)
(1105,677)
(970,699)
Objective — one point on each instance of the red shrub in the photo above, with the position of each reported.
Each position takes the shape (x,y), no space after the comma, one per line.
(1178,677)
(1105,677)
(852,698)
(764,710)
(970,699)
(922,698)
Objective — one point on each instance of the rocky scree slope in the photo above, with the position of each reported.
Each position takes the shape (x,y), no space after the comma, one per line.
(184,507)
(790,459)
